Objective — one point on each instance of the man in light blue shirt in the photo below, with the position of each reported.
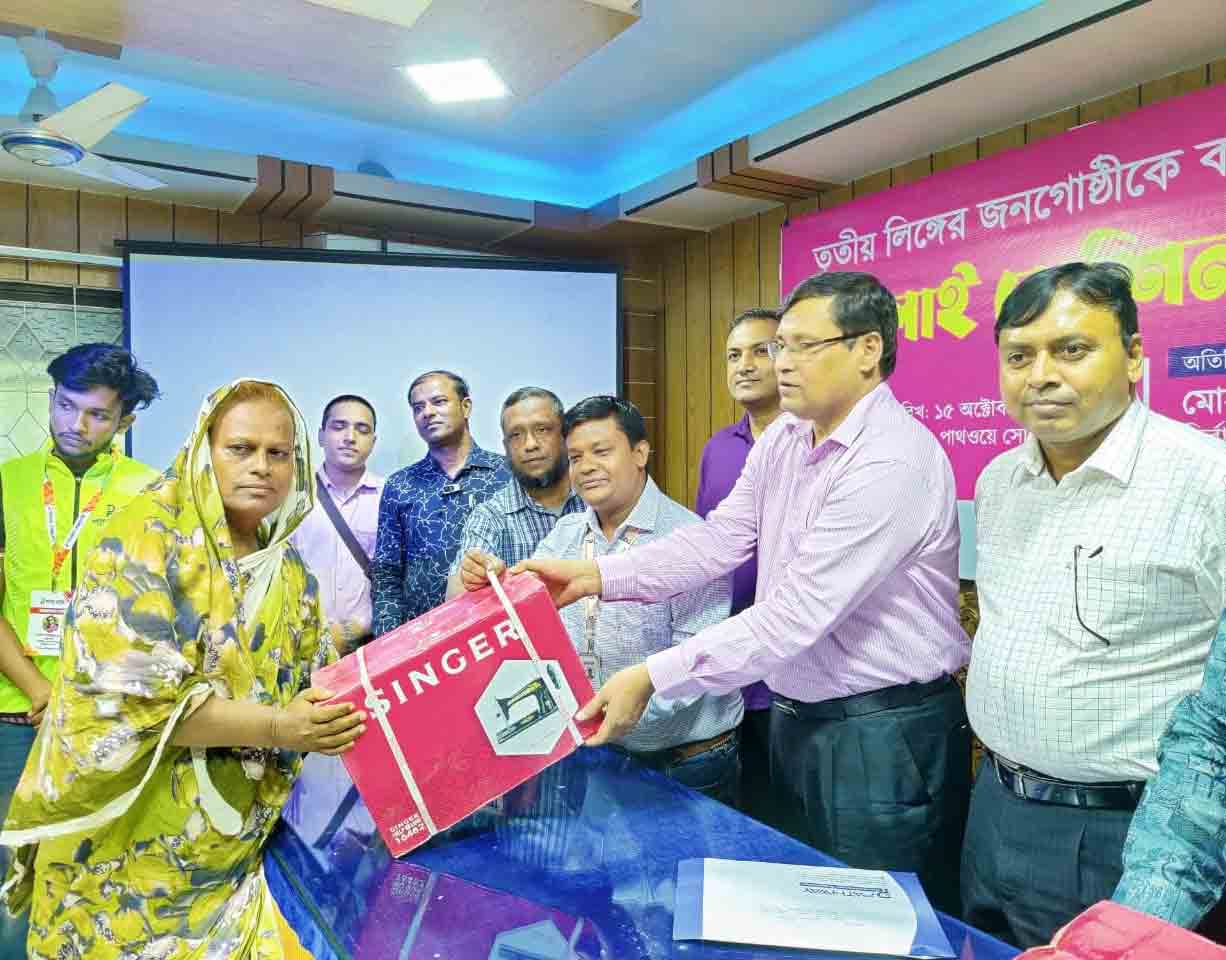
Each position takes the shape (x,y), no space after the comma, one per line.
(691,739)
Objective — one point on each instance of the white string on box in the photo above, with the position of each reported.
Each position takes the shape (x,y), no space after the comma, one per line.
(393,744)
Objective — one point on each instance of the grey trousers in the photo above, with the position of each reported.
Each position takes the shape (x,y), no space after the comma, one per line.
(1028,868)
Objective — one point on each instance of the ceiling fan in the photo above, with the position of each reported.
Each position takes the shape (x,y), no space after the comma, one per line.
(49,137)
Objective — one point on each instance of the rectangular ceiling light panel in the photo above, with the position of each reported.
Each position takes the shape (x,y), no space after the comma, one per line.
(457,80)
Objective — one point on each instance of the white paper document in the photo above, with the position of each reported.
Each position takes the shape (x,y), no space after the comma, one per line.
(806,907)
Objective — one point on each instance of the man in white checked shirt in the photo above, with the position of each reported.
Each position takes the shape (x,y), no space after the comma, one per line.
(692,739)
(1102,576)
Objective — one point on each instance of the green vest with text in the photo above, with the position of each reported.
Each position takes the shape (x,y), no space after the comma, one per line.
(27,548)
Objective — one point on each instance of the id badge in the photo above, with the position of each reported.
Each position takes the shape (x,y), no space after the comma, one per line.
(45,629)
(591,666)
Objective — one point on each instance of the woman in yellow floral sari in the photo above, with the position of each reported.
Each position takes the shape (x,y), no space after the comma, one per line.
(177,724)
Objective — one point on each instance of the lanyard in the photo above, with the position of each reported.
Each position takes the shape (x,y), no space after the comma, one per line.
(60,554)
(591,605)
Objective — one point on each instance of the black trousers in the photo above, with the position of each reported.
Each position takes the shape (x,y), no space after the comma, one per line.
(883,789)
(1028,868)
(758,796)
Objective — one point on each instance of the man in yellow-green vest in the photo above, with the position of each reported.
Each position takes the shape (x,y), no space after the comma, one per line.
(54,503)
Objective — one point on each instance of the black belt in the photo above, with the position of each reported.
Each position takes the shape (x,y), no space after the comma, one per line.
(860,704)
(1030,785)
(20,719)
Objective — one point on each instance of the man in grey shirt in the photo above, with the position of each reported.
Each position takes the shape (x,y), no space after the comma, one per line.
(690,739)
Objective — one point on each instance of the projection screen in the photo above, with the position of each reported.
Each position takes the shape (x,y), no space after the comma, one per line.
(324,323)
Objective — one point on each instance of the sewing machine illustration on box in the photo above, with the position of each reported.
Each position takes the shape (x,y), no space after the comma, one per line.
(544,705)
(524,712)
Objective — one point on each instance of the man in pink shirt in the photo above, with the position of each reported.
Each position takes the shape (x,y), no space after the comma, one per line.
(850,504)
(340,555)
(337,544)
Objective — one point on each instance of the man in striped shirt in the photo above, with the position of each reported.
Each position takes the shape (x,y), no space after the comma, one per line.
(850,503)
(511,523)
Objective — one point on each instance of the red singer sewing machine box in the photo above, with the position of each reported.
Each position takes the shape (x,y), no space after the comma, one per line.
(461,707)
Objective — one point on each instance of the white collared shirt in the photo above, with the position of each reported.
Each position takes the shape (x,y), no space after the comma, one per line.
(1045,692)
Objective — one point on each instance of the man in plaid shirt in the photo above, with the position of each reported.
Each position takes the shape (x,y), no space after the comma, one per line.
(510,524)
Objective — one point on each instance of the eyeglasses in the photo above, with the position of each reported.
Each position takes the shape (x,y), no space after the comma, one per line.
(1077,589)
(807,348)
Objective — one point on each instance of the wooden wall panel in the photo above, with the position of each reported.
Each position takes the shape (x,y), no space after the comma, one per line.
(642,303)
(14,221)
(1002,140)
(280,233)
(195,225)
(640,295)
(834,198)
(746,266)
(955,156)
(673,436)
(105,278)
(798,208)
(873,183)
(1051,125)
(238,228)
(52,226)
(103,220)
(149,220)
(723,283)
(14,210)
(1115,105)
(640,331)
(910,172)
(1175,85)
(640,367)
(659,461)
(60,274)
(642,395)
(770,224)
(697,356)
(53,219)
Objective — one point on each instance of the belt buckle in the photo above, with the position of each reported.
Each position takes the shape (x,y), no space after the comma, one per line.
(1019,785)
(1012,780)
(786,706)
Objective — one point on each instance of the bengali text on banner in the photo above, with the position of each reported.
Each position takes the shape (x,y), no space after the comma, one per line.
(1147,190)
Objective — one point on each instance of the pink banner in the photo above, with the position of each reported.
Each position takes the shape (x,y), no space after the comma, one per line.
(1147,190)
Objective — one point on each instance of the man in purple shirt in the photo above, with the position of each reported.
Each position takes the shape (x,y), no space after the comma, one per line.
(850,504)
(750,373)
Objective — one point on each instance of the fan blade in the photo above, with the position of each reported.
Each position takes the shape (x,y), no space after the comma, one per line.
(94,116)
(99,168)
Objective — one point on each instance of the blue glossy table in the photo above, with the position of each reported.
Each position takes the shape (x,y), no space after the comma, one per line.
(577,864)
